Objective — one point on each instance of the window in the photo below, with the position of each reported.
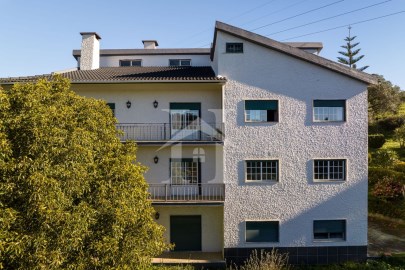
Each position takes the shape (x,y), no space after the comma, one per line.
(329,110)
(261,110)
(262,170)
(180,62)
(112,107)
(262,231)
(131,63)
(184,171)
(234,47)
(330,170)
(329,229)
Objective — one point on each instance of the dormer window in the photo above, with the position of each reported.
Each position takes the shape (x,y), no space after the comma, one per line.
(131,63)
(234,47)
(180,62)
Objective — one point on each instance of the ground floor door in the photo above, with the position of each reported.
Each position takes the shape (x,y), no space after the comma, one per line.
(185,233)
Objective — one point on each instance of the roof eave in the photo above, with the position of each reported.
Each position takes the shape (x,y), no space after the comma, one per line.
(289,50)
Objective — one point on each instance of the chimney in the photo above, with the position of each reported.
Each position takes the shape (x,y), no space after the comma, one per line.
(150,44)
(90,51)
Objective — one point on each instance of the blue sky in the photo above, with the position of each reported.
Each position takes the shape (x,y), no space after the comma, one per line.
(38,37)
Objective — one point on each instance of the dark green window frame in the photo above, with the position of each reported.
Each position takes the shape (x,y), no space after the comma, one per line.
(261,110)
(329,110)
(112,107)
(234,47)
(262,231)
(330,230)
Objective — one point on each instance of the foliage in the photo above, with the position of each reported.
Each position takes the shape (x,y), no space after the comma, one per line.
(399,166)
(388,188)
(369,265)
(350,54)
(399,135)
(376,140)
(383,98)
(384,158)
(175,267)
(393,209)
(72,196)
(265,261)
(391,123)
(377,173)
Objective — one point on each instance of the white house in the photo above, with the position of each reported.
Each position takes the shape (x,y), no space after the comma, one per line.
(252,144)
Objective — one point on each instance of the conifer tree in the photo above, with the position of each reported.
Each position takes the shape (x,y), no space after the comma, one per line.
(350,54)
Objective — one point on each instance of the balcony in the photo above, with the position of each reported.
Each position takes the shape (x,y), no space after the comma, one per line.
(164,132)
(187,193)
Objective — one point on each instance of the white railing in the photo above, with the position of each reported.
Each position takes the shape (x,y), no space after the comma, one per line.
(190,193)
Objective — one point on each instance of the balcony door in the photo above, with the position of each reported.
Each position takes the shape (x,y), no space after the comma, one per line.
(185,121)
(185,177)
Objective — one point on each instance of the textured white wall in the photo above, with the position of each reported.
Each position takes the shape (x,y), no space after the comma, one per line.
(155,60)
(211,219)
(90,57)
(295,140)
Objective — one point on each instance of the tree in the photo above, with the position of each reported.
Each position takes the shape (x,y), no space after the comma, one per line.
(383,98)
(350,54)
(72,196)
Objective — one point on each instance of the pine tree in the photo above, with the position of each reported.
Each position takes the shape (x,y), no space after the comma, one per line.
(350,54)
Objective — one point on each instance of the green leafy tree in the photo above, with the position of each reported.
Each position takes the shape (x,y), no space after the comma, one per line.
(383,98)
(71,195)
(350,55)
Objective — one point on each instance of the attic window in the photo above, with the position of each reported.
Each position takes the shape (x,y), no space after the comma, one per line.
(131,63)
(234,47)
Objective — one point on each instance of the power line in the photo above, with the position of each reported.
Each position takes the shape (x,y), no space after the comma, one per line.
(232,18)
(346,25)
(300,14)
(328,18)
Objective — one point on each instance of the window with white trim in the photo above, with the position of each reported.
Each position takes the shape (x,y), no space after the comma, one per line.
(262,231)
(131,63)
(180,62)
(261,110)
(330,169)
(329,110)
(329,230)
(184,171)
(262,170)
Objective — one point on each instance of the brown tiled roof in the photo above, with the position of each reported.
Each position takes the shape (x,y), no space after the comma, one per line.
(129,74)
(291,51)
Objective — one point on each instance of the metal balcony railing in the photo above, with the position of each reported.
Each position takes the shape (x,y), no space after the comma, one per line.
(187,193)
(165,132)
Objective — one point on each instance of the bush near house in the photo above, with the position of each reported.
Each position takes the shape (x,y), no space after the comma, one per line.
(376,140)
(72,196)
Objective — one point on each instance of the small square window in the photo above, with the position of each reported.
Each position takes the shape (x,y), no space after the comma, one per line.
(330,169)
(330,230)
(329,110)
(262,231)
(262,170)
(131,63)
(261,110)
(234,47)
(180,62)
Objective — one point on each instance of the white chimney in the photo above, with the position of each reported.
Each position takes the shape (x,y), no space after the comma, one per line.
(150,44)
(90,51)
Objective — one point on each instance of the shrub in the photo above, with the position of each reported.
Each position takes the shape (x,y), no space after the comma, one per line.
(384,158)
(399,166)
(391,123)
(388,189)
(376,140)
(399,135)
(265,261)
(377,173)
